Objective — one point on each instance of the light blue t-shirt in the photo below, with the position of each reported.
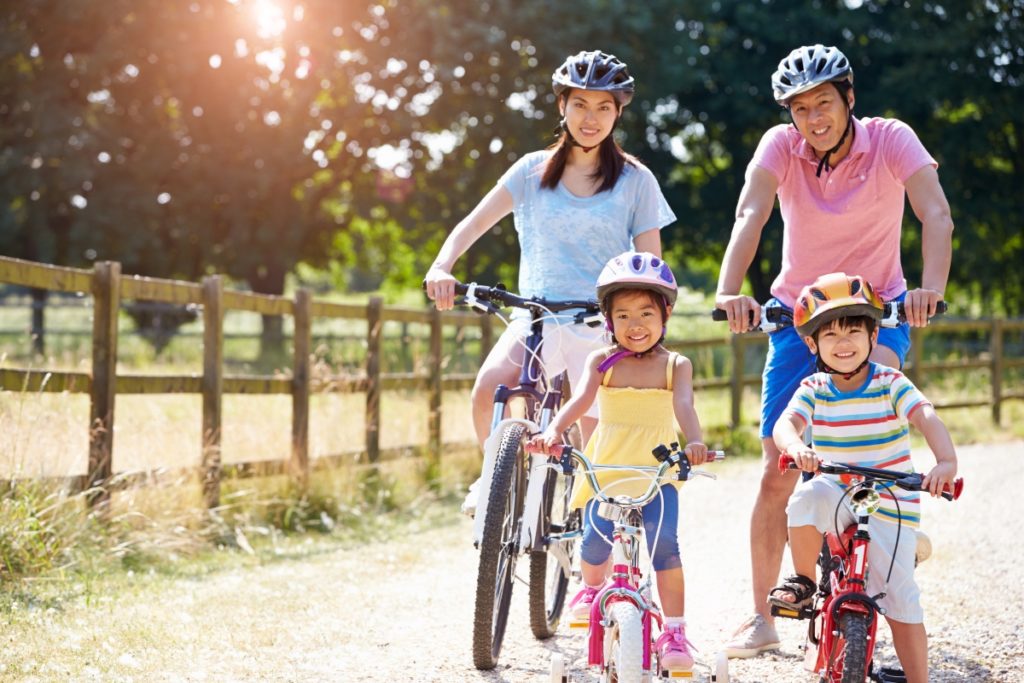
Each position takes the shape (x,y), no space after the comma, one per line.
(566,240)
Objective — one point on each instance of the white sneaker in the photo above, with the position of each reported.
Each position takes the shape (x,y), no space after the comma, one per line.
(752,638)
(469,504)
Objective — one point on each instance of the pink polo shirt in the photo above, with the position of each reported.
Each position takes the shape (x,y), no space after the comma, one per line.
(849,219)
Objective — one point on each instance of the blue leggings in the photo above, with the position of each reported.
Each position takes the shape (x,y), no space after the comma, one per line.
(595,550)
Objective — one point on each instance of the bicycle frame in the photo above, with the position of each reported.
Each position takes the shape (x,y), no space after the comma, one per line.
(627,582)
(844,567)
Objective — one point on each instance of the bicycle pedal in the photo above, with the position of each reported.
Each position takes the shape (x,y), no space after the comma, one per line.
(576,624)
(677,673)
(786,613)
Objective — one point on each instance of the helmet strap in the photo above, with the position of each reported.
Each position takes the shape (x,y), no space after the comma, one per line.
(825,157)
(611,360)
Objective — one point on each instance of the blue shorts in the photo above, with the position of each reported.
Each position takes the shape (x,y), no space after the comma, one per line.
(595,549)
(789,361)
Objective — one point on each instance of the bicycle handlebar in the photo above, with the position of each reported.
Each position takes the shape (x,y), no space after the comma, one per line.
(483,299)
(777,318)
(668,456)
(910,481)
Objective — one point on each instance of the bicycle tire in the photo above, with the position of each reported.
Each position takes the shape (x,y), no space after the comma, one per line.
(624,655)
(852,655)
(499,548)
(549,581)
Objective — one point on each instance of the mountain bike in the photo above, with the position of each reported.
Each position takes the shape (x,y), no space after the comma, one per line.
(624,618)
(522,503)
(843,618)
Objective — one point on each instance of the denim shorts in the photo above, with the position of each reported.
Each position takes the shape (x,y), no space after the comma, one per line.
(789,361)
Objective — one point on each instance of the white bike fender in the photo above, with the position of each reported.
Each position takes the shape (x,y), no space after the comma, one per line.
(534,500)
(487,472)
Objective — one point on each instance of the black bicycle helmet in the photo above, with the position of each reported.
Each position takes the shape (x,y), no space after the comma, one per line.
(808,67)
(594,70)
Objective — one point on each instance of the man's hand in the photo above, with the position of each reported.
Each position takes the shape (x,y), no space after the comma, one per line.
(920,305)
(738,307)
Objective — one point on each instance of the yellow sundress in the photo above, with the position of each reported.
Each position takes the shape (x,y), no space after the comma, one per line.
(632,423)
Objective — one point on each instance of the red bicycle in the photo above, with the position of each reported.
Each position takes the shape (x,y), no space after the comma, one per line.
(843,617)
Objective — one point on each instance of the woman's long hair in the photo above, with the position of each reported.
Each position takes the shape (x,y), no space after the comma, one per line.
(612,159)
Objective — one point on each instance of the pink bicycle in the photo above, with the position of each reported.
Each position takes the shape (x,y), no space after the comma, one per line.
(624,620)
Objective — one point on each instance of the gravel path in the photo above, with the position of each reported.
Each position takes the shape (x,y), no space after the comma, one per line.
(401,610)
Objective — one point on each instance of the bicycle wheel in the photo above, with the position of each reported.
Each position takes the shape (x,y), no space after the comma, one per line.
(850,663)
(549,578)
(623,645)
(499,548)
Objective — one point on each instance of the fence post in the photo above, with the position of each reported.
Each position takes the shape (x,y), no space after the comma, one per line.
(996,349)
(106,292)
(434,426)
(213,387)
(301,343)
(374,328)
(913,368)
(736,380)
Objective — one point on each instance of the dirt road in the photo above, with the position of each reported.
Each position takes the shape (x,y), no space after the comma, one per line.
(401,610)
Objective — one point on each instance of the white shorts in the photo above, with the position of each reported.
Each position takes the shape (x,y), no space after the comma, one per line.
(813,503)
(565,348)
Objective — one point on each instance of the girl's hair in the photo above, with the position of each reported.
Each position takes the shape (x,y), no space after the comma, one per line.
(846,322)
(611,160)
(656,297)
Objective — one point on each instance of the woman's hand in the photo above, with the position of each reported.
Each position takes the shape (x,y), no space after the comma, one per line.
(739,308)
(440,287)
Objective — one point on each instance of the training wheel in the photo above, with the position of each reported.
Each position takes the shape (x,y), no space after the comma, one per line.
(720,674)
(558,674)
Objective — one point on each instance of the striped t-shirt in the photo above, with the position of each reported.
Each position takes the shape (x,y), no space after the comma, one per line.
(867,426)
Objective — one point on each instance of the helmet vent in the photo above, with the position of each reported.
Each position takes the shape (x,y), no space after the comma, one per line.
(819,295)
(854,286)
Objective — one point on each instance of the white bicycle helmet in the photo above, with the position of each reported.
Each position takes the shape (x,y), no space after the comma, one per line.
(808,67)
(637,270)
(594,70)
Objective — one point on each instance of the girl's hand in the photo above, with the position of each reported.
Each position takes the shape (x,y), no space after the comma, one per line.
(548,442)
(696,452)
(441,288)
(804,457)
(941,475)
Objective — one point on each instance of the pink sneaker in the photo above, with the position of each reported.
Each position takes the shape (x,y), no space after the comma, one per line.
(675,651)
(579,608)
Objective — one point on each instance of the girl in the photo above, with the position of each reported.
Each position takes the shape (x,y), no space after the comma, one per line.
(650,385)
(575,205)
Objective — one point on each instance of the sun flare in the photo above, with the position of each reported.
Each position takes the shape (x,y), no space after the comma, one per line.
(270,19)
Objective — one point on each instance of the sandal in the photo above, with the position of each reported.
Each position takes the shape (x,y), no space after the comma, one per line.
(800,587)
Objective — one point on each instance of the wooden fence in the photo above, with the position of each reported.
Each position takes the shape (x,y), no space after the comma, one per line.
(109,288)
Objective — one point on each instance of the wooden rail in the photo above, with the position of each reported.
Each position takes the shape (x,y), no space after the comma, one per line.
(108,288)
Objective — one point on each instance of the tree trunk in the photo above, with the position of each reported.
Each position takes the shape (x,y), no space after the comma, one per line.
(269,279)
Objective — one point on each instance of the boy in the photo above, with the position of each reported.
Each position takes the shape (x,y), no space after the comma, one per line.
(860,412)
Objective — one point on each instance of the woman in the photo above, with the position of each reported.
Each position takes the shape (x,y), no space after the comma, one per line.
(576,205)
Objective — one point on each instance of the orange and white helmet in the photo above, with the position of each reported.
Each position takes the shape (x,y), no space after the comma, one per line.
(637,270)
(833,296)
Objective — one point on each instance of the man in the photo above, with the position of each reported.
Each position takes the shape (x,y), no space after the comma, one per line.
(840,182)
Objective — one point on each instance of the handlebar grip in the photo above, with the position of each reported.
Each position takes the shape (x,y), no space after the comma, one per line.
(786,462)
(719,315)
(954,492)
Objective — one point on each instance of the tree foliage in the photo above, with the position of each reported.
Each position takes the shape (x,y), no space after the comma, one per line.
(247,136)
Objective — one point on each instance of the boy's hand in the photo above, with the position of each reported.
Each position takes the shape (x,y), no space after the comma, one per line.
(804,457)
(696,452)
(941,475)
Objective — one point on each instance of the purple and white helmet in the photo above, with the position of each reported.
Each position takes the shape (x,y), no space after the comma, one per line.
(637,270)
